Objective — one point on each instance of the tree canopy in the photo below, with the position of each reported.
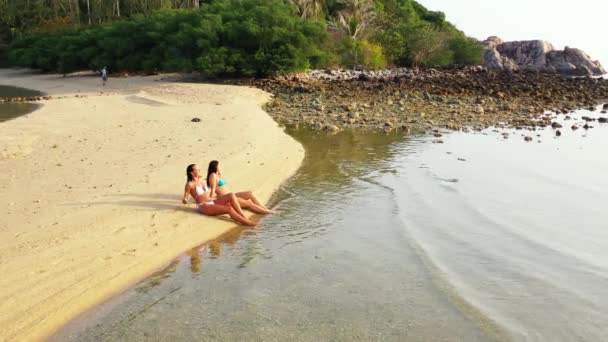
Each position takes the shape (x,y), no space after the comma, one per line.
(229,37)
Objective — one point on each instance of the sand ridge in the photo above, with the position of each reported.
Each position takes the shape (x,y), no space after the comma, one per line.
(91,185)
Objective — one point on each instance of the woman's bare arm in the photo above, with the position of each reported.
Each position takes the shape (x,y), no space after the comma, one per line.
(186,193)
(212,184)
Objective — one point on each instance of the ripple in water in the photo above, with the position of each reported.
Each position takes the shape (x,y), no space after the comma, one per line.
(385,238)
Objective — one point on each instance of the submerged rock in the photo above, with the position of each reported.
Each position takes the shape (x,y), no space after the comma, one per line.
(332,128)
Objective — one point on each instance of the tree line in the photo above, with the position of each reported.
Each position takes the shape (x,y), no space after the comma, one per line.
(229,37)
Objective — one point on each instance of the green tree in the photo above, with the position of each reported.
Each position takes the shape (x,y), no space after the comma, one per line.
(362,53)
(427,47)
(354,21)
(466,50)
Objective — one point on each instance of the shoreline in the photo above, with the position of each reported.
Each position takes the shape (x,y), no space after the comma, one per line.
(94,181)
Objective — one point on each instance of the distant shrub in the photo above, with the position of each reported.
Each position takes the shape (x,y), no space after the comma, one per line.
(466,50)
(361,54)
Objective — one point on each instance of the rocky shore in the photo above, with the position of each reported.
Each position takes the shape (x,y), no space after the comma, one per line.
(24,98)
(411,100)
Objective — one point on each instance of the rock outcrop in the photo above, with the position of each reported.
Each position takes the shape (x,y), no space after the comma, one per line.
(418,100)
(538,55)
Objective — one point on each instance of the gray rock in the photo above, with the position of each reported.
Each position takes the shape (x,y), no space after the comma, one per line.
(353,115)
(538,55)
(332,128)
(319,107)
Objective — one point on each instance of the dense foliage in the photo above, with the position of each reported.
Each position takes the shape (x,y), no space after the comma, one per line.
(236,37)
(412,35)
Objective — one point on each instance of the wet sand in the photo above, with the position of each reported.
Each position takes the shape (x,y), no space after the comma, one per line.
(90,195)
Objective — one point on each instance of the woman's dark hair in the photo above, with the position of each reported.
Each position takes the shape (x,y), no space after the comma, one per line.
(189,170)
(212,169)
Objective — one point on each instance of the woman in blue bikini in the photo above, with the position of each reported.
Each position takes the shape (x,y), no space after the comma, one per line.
(218,186)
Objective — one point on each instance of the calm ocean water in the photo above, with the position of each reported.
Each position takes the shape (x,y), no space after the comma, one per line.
(384,237)
(11,110)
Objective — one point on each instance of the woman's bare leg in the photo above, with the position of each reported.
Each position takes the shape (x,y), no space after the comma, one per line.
(216,210)
(240,218)
(230,199)
(248,204)
(248,195)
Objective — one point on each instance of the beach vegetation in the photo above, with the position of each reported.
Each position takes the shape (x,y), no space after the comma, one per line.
(232,37)
(229,37)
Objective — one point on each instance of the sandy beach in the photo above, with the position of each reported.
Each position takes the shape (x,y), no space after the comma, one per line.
(91,185)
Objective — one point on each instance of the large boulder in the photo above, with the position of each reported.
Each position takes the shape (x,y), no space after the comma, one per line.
(538,55)
(574,62)
(494,60)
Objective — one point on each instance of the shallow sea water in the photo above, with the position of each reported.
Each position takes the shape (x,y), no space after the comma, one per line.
(11,110)
(386,237)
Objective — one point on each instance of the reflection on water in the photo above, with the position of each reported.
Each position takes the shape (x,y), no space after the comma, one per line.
(383,238)
(11,110)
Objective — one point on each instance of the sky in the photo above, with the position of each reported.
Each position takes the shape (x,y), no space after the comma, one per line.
(578,24)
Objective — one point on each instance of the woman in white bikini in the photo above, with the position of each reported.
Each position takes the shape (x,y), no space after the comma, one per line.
(225,204)
(218,186)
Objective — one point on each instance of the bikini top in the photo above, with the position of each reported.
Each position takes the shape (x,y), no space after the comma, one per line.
(200,189)
(220,182)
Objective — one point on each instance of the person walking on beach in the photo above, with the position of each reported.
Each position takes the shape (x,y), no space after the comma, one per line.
(104,75)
